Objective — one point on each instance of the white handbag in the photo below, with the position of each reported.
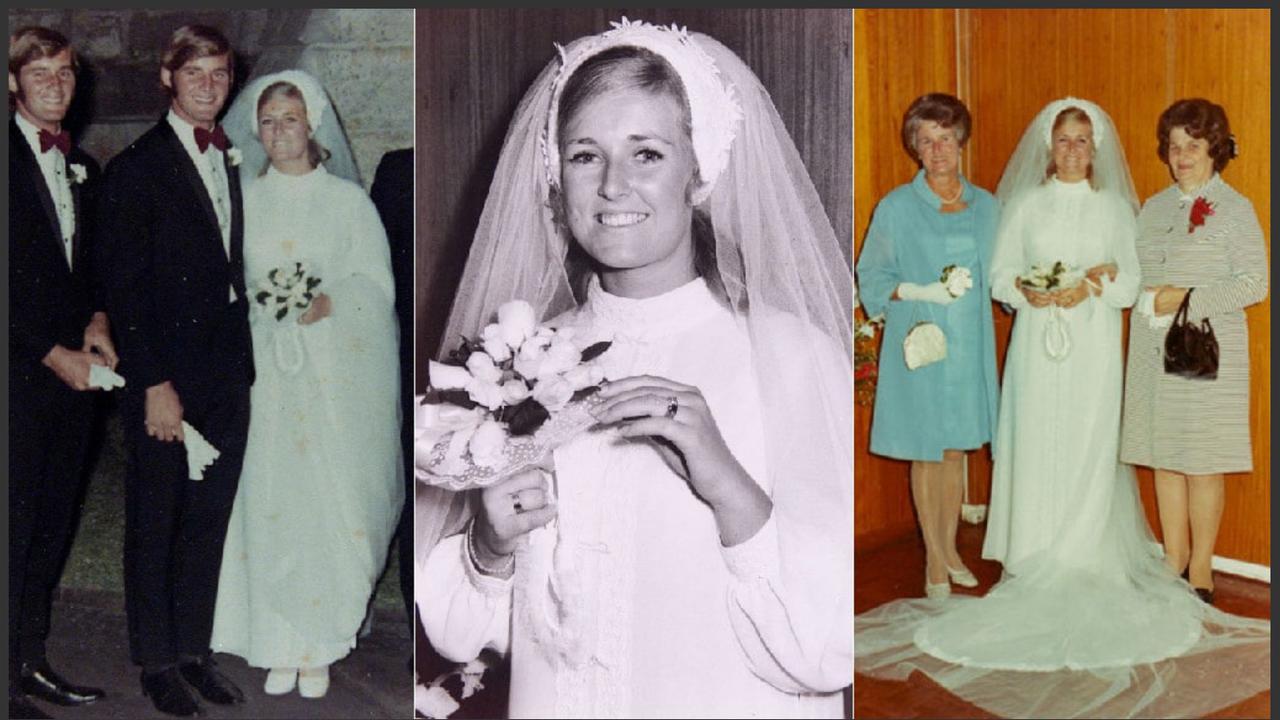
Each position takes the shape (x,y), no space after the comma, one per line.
(924,344)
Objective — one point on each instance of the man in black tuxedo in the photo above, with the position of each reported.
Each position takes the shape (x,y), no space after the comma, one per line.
(392,194)
(172,237)
(57,331)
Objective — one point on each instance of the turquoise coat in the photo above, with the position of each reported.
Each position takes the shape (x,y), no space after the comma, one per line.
(949,404)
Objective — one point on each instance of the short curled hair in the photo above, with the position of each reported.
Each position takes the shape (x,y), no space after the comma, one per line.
(944,109)
(1203,120)
(33,43)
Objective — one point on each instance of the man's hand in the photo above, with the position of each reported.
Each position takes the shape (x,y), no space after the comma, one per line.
(164,413)
(97,338)
(71,366)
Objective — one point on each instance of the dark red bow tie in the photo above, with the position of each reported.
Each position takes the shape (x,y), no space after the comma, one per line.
(214,137)
(60,140)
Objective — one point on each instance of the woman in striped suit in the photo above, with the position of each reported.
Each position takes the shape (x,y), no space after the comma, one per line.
(1197,236)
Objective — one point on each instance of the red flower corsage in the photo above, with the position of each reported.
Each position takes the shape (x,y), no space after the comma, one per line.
(1200,209)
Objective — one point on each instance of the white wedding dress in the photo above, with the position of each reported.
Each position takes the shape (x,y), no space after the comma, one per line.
(627,605)
(321,489)
(1086,621)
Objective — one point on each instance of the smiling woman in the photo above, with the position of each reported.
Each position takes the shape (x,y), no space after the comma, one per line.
(689,554)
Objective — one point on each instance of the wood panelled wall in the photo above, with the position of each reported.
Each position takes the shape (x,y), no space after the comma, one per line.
(1006,65)
(475,65)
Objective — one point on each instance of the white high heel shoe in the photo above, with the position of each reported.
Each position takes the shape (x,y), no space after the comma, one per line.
(313,682)
(962,577)
(280,681)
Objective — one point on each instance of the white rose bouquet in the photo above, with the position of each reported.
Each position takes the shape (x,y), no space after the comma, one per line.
(504,400)
(287,288)
(1058,276)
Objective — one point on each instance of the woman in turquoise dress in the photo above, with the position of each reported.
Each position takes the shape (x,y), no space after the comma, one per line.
(932,414)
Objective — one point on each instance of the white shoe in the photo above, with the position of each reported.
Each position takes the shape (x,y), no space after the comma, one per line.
(313,682)
(962,577)
(937,591)
(280,681)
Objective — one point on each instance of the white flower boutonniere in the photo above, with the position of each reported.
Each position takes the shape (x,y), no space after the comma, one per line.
(234,156)
(78,173)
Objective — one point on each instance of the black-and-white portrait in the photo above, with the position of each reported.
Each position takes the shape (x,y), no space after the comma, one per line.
(634,340)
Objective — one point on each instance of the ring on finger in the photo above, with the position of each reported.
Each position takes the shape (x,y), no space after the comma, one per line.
(516,504)
(673,406)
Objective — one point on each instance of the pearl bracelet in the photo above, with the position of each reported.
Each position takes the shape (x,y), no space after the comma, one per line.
(502,571)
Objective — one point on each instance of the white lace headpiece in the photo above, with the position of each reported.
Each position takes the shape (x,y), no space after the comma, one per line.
(313,96)
(713,104)
(1093,111)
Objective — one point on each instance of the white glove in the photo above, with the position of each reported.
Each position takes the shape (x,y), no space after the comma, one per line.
(934,292)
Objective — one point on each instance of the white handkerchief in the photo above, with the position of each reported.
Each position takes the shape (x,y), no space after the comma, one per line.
(101,376)
(200,454)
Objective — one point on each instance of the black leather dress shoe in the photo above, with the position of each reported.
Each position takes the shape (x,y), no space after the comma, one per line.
(21,707)
(169,693)
(212,685)
(1205,595)
(42,682)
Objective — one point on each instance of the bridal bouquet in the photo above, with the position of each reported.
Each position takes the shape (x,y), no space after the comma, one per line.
(504,400)
(285,288)
(1058,276)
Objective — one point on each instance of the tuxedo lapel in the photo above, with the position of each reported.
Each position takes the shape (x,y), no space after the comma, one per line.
(31,167)
(188,170)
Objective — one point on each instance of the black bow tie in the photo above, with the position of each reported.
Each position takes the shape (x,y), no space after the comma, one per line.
(60,140)
(214,137)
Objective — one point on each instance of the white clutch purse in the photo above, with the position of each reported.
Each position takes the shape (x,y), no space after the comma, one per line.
(924,344)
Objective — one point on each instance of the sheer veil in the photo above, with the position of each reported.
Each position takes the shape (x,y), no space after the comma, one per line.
(1026,167)
(241,125)
(779,262)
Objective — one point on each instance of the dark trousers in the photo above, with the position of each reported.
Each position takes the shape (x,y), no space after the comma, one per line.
(49,426)
(175,527)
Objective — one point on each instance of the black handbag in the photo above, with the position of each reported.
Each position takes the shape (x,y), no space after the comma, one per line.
(1189,350)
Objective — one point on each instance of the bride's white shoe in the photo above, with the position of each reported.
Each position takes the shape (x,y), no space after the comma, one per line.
(962,577)
(313,682)
(937,591)
(280,681)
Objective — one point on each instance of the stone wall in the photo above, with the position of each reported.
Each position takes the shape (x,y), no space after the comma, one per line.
(363,57)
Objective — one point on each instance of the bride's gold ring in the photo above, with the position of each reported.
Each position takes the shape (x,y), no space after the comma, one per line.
(515,503)
(673,406)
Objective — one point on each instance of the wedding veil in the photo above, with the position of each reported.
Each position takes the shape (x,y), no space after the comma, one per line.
(778,260)
(1026,167)
(241,125)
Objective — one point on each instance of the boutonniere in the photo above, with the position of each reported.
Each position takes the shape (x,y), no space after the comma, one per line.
(1200,210)
(234,156)
(78,173)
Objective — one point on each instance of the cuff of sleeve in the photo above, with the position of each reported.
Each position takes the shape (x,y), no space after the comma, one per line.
(487,585)
(757,556)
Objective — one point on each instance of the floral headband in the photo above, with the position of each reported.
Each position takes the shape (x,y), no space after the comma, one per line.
(313,96)
(1093,111)
(713,104)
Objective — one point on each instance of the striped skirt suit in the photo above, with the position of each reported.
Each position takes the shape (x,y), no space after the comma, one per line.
(1194,426)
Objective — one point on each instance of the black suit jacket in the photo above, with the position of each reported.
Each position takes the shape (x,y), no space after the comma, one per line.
(167,272)
(392,194)
(49,303)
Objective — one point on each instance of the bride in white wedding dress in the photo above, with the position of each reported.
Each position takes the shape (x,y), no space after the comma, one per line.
(321,488)
(1086,619)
